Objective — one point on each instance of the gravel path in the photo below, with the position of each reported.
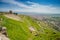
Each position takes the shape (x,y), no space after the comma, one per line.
(12,16)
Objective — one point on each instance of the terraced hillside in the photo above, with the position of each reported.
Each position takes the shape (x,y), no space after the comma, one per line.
(21,30)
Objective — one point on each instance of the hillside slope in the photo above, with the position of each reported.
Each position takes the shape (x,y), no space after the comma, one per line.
(19,30)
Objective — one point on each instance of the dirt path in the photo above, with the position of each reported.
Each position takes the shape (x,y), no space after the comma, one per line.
(12,16)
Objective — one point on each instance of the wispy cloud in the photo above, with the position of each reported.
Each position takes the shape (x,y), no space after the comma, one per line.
(34,7)
(20,4)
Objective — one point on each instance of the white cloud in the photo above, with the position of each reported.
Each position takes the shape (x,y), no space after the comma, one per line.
(35,7)
(16,3)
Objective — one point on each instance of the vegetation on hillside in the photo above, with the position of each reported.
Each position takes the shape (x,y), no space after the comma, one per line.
(18,30)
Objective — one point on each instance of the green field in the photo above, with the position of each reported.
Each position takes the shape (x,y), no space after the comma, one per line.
(18,30)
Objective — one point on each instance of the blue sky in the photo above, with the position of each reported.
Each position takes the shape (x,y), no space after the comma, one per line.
(36,6)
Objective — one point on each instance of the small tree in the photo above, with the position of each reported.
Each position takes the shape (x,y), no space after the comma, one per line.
(10,11)
(16,13)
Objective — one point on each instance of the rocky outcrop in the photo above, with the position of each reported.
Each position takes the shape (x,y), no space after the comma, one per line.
(3,37)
